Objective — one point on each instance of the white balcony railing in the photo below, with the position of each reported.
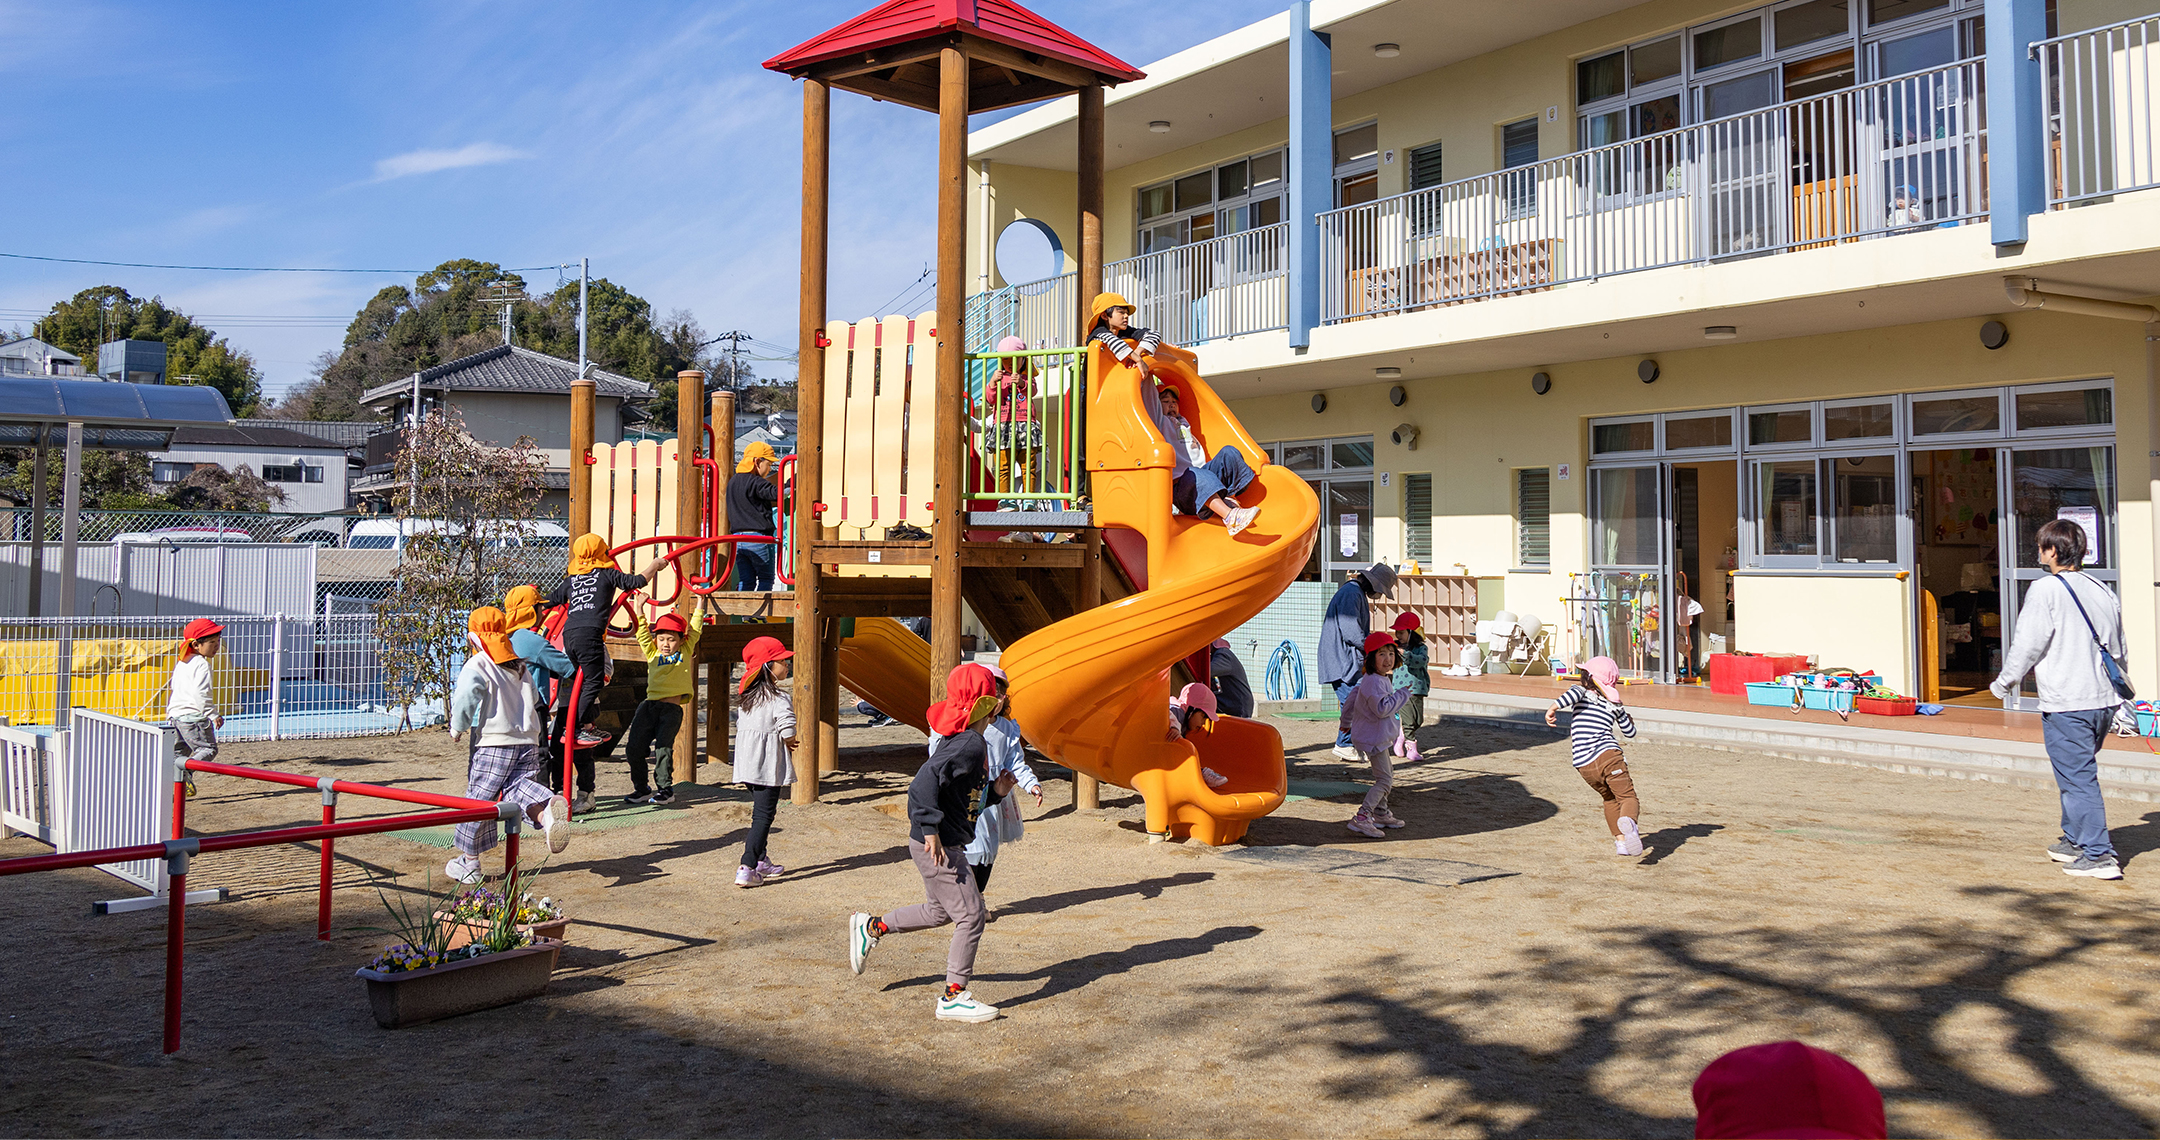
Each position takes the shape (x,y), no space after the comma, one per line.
(1042,313)
(2103,100)
(1890,157)
(1226,286)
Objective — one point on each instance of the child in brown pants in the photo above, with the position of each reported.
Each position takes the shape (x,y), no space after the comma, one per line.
(1597,712)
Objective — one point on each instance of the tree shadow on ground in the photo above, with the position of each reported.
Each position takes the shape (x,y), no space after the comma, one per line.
(1464,804)
(898,853)
(628,869)
(1074,973)
(1140,889)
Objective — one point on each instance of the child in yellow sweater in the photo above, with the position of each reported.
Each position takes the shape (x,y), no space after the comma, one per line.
(670,646)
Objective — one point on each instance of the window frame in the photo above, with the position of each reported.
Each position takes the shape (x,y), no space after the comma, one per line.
(1250,201)
(1522,562)
(1814,439)
(2080,430)
(2003,413)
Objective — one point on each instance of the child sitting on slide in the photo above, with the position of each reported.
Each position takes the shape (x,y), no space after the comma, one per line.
(1200,484)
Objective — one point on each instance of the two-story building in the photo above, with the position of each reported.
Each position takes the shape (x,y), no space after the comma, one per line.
(1808,313)
(502,394)
(310,470)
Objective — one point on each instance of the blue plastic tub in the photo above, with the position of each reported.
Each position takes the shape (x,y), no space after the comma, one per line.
(1776,694)
(2148,723)
(1830,700)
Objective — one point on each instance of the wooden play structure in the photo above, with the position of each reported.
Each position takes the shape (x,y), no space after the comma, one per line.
(1110,599)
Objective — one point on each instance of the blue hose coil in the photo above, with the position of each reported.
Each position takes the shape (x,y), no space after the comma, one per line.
(1286,673)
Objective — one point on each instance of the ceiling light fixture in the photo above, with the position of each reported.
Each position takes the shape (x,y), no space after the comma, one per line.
(1720,332)
(1160,126)
(1387,51)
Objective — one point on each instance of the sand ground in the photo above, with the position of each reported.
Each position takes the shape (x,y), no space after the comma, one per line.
(1491,970)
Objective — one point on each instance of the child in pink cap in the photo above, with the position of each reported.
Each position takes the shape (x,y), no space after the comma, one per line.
(1597,711)
(1193,709)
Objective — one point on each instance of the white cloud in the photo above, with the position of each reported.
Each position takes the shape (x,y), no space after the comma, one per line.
(430,161)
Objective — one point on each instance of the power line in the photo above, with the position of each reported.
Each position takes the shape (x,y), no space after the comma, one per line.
(241,268)
(905,290)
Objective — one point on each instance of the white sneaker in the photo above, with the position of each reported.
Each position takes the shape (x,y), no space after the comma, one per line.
(859,941)
(962,1006)
(1630,841)
(463,869)
(1237,520)
(555,824)
(1363,825)
(584,803)
(1350,754)
(1214,778)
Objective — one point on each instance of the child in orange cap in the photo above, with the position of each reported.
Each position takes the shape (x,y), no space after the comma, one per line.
(1595,703)
(670,646)
(764,736)
(191,708)
(494,699)
(1368,715)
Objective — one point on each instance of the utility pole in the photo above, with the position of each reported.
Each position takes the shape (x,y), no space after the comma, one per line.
(735,341)
(584,272)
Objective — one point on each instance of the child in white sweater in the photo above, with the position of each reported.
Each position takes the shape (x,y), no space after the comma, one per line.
(191,708)
(494,699)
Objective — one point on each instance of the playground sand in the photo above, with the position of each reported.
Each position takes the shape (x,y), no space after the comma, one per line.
(1492,970)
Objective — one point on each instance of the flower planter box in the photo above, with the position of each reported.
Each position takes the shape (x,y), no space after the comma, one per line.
(411,997)
(466,933)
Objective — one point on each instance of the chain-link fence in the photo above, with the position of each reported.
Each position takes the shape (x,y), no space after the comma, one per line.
(228,526)
(276,676)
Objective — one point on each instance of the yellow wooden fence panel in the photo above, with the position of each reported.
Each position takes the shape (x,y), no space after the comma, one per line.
(922,441)
(839,356)
(668,488)
(888,418)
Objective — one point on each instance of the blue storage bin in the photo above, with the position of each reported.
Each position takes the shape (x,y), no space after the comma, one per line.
(1829,700)
(1776,694)
(2148,723)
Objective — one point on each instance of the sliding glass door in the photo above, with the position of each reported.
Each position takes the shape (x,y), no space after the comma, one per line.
(1625,602)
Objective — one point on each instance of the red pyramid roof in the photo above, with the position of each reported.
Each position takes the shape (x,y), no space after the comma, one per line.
(1001,21)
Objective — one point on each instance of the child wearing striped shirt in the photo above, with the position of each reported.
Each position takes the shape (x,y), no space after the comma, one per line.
(1595,708)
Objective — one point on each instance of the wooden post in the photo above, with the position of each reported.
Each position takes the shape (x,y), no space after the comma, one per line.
(828,728)
(810,419)
(1087,790)
(719,690)
(689,512)
(581,441)
(1091,203)
(951,508)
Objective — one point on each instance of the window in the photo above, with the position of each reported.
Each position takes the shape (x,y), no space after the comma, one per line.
(1698,431)
(1518,148)
(1955,414)
(283,473)
(1886,11)
(1865,490)
(1634,435)
(1781,425)
(2083,407)
(1357,143)
(1417,518)
(1340,473)
(1221,200)
(1729,43)
(1425,167)
(1648,63)
(1814,20)
(1533,516)
(1357,165)
(314,473)
(1786,496)
(170,472)
(1859,421)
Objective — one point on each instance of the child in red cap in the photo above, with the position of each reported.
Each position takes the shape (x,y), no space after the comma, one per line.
(764,736)
(1597,713)
(1411,674)
(670,646)
(191,708)
(1368,715)
(1788,1089)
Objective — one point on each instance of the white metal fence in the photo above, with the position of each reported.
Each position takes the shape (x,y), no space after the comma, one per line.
(1890,157)
(1042,313)
(26,784)
(278,676)
(2102,105)
(1226,286)
(113,579)
(114,782)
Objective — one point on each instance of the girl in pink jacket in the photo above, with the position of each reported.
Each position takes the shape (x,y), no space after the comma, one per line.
(1368,715)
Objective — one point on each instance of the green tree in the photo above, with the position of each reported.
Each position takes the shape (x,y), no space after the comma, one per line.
(193,354)
(111,480)
(212,488)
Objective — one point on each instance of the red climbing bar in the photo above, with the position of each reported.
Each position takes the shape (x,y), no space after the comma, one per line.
(375,791)
(175,943)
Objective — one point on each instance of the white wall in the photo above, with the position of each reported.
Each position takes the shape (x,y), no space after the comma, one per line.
(300,498)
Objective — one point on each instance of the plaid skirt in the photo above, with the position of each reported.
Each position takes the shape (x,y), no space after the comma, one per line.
(501,773)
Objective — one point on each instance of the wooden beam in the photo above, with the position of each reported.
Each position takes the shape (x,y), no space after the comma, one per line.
(991,97)
(810,413)
(719,694)
(1091,203)
(828,725)
(1069,75)
(951,420)
(689,500)
(832,71)
(581,441)
(847,553)
(1087,790)
(1011,76)
(906,94)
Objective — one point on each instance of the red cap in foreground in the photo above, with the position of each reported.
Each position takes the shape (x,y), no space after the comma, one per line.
(1787,1089)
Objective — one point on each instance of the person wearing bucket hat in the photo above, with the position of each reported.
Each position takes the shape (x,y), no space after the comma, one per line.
(997,817)
(1412,674)
(191,707)
(494,700)
(1368,715)
(1597,714)
(1342,637)
(1200,484)
(764,742)
(941,820)
(544,663)
(1787,1089)
(753,498)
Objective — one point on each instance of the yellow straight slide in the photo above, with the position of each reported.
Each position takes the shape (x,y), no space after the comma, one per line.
(1093,691)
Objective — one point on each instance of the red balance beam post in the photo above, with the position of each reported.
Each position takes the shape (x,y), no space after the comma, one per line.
(322,894)
(176,868)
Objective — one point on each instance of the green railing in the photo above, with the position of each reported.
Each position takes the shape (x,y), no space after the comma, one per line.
(1026,428)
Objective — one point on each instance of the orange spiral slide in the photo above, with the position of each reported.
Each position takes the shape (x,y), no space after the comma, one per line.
(1093,691)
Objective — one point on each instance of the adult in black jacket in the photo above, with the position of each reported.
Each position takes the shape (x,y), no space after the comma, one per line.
(752,500)
(1233,690)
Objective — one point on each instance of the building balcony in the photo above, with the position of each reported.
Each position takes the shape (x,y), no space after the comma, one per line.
(1228,286)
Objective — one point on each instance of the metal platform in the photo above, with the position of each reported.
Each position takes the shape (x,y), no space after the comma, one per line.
(1030,520)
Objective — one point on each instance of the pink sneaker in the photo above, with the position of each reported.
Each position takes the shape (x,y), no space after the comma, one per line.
(748,877)
(1386,818)
(767,869)
(1411,753)
(1363,825)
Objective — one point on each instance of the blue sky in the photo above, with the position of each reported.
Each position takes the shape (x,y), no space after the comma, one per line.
(399,135)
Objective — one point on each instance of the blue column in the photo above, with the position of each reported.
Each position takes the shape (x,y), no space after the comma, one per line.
(2017,139)
(1312,165)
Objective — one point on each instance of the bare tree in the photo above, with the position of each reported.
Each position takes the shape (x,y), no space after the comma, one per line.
(465,519)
